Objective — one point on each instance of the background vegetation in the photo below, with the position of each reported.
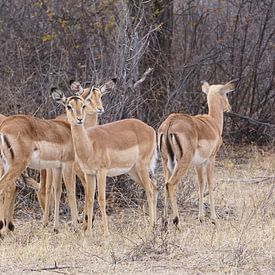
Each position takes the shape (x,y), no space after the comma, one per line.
(46,43)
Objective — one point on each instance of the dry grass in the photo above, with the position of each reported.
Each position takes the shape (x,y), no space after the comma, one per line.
(243,241)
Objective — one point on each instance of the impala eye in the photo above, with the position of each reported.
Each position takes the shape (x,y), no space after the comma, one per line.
(69,107)
(83,107)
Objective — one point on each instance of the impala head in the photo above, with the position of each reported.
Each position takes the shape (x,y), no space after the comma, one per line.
(77,107)
(217,94)
(85,102)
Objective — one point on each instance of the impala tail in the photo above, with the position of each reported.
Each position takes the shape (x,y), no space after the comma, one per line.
(154,159)
(6,151)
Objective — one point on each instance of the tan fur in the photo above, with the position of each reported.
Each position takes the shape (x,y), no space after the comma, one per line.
(125,146)
(90,121)
(40,144)
(186,140)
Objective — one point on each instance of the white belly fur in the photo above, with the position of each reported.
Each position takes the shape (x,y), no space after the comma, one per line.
(118,171)
(38,163)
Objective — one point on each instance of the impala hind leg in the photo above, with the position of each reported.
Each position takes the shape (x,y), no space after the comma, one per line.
(101,185)
(141,177)
(167,175)
(9,204)
(41,193)
(57,187)
(201,173)
(8,181)
(210,181)
(172,185)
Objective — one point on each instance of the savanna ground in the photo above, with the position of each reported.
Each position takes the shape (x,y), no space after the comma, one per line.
(243,241)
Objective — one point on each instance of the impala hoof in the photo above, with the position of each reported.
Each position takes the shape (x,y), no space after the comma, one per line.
(1,224)
(55,230)
(11,226)
(164,223)
(176,221)
(201,219)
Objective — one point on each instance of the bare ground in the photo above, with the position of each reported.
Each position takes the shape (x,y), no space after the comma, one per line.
(242,242)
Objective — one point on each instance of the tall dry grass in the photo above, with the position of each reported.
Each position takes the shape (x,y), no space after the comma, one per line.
(243,241)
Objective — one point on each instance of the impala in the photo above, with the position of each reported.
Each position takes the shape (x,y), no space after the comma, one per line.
(184,140)
(91,120)
(26,141)
(7,199)
(122,147)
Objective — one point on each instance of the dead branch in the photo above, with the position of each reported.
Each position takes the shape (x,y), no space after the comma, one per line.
(149,70)
(251,120)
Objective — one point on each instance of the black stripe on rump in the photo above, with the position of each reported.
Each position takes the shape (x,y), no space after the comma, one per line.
(9,146)
(178,144)
(169,147)
(160,141)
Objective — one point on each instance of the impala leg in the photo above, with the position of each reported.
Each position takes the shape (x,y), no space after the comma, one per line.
(167,175)
(7,181)
(2,214)
(210,181)
(57,187)
(69,181)
(9,204)
(41,193)
(48,197)
(172,185)
(141,177)
(90,195)
(81,176)
(201,183)
(101,185)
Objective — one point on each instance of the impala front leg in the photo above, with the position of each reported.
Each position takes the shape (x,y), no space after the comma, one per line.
(69,180)
(89,202)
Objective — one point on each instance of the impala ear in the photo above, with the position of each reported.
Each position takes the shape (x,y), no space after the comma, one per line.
(108,86)
(89,94)
(227,88)
(58,96)
(76,87)
(205,86)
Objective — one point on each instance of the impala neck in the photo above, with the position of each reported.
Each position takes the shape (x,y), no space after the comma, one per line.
(81,142)
(90,120)
(216,112)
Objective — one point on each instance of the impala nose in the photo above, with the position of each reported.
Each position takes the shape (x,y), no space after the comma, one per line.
(100,110)
(79,120)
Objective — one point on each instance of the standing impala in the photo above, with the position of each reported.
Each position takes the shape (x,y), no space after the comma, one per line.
(184,140)
(26,141)
(91,120)
(122,147)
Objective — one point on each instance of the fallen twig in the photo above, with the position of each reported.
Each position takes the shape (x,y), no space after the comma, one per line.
(52,268)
